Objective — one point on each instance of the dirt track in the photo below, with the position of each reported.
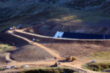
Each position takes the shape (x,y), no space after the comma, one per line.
(76,64)
(8,57)
(69,47)
(45,48)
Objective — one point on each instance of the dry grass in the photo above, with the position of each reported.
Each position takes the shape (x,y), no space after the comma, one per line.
(57,14)
(100,55)
(5,47)
(30,53)
(81,16)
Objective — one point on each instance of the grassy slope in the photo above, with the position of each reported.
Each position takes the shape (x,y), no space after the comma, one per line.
(102,65)
(50,70)
(4,47)
(105,55)
(59,14)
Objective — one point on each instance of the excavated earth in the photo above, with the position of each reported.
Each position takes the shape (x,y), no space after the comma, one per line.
(71,47)
(30,53)
(49,28)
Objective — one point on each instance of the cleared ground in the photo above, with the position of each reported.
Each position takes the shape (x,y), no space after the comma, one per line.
(18,42)
(30,53)
(72,47)
(80,48)
(50,28)
(45,41)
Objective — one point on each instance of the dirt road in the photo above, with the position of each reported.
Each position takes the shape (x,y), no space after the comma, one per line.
(39,45)
(8,57)
(64,64)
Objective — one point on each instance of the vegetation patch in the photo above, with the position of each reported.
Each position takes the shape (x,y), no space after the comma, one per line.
(50,70)
(97,66)
(57,14)
(4,47)
(100,55)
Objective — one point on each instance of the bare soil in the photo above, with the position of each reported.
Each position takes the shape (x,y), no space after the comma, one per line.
(18,42)
(3,59)
(71,47)
(30,53)
(49,28)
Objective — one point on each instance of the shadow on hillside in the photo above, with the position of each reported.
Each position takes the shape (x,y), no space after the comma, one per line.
(43,40)
(18,41)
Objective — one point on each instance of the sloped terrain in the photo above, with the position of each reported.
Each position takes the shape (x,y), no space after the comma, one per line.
(71,47)
(30,53)
(3,59)
(18,42)
(79,48)
(49,30)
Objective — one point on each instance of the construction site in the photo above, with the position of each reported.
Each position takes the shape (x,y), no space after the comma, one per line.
(34,49)
(54,36)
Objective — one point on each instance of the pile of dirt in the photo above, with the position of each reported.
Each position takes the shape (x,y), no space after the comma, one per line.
(30,53)
(3,59)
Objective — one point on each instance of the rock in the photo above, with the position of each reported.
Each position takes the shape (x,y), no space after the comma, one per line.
(25,66)
(8,67)
(13,66)
(93,61)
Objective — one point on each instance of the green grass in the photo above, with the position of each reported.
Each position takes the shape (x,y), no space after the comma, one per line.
(57,14)
(49,70)
(4,47)
(97,66)
(86,16)
(103,55)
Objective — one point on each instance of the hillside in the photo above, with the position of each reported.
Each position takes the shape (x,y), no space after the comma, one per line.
(53,14)
(82,4)
(10,9)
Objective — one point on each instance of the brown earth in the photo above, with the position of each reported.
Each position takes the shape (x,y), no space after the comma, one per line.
(77,64)
(49,28)
(71,47)
(3,59)
(30,53)
(18,42)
